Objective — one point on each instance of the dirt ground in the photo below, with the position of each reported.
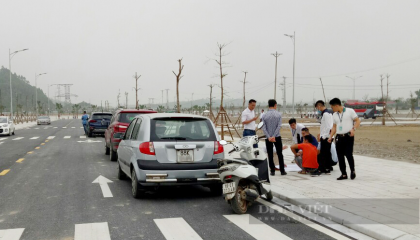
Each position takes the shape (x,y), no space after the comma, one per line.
(401,143)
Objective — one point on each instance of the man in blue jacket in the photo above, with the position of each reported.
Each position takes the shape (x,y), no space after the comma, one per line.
(85,118)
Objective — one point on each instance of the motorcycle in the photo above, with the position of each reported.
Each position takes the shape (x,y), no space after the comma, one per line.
(245,179)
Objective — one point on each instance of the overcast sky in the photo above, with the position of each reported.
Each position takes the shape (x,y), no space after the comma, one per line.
(99,45)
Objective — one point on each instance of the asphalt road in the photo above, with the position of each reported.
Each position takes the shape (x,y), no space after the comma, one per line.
(49,194)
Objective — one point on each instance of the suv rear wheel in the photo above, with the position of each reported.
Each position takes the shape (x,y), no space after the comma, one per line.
(112,155)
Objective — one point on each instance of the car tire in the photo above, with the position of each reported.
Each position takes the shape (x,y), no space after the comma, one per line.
(216,189)
(112,155)
(107,150)
(269,196)
(90,134)
(121,175)
(136,189)
(13,132)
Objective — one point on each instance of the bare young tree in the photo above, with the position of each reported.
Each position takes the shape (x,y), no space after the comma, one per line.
(244,82)
(219,61)
(178,77)
(137,89)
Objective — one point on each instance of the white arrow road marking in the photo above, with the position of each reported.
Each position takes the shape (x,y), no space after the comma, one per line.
(176,229)
(67,137)
(255,227)
(103,182)
(11,234)
(51,137)
(92,231)
(34,138)
(89,141)
(18,138)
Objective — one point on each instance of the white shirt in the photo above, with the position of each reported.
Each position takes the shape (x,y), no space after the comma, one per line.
(344,120)
(246,116)
(326,125)
(297,131)
(262,114)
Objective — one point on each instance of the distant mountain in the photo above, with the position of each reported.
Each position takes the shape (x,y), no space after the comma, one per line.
(23,94)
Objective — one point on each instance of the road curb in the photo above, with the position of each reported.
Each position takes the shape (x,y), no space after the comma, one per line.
(369,228)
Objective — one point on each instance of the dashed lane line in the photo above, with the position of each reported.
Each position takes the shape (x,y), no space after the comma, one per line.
(67,137)
(82,136)
(18,138)
(34,138)
(37,147)
(30,152)
(42,143)
(4,172)
(20,160)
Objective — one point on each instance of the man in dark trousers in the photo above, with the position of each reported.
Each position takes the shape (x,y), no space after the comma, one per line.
(85,119)
(324,160)
(346,122)
(271,128)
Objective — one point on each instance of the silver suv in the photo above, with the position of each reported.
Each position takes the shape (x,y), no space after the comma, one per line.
(170,149)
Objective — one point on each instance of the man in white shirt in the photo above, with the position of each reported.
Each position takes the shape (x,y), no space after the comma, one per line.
(346,122)
(261,115)
(324,158)
(296,129)
(248,119)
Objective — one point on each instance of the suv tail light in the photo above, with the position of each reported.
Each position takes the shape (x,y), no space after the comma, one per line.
(120,128)
(147,148)
(92,121)
(218,148)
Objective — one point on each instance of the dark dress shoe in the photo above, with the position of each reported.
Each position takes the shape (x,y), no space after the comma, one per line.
(273,173)
(284,173)
(353,175)
(342,177)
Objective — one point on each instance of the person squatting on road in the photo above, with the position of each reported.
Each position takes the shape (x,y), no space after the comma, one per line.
(346,122)
(271,128)
(308,162)
(248,120)
(325,161)
(85,118)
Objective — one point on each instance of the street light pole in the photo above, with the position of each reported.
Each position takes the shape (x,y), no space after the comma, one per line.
(354,85)
(36,94)
(293,37)
(10,79)
(276,55)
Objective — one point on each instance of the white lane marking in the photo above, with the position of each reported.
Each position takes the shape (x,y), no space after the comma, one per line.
(51,137)
(176,229)
(303,220)
(46,127)
(1,139)
(36,128)
(55,127)
(18,138)
(64,127)
(92,231)
(67,137)
(103,182)
(34,138)
(255,227)
(11,234)
(73,127)
(1,142)
(81,127)
(82,136)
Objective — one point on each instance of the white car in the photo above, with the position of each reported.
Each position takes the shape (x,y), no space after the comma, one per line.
(7,126)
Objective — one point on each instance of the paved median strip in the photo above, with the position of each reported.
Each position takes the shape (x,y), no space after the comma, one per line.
(4,172)
(20,160)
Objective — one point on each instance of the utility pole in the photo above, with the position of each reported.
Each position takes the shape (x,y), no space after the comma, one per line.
(293,37)
(126,100)
(382,91)
(276,55)
(284,95)
(354,85)
(137,89)
(192,99)
(162,97)
(167,99)
(244,82)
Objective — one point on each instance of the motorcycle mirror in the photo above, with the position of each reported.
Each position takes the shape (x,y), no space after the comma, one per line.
(223,142)
(260,125)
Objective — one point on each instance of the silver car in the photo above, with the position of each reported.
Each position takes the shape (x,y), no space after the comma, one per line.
(170,149)
(43,120)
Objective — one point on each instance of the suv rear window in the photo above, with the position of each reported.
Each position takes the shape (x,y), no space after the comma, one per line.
(127,117)
(102,116)
(181,129)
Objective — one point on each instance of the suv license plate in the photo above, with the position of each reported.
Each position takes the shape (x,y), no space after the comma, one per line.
(185,156)
(229,188)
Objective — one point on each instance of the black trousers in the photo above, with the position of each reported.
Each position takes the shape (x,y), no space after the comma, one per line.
(279,149)
(325,159)
(344,145)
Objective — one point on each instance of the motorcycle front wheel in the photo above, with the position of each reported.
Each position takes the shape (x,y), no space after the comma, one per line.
(238,202)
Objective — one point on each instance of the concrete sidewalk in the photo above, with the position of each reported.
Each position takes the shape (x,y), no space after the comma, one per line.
(382,202)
